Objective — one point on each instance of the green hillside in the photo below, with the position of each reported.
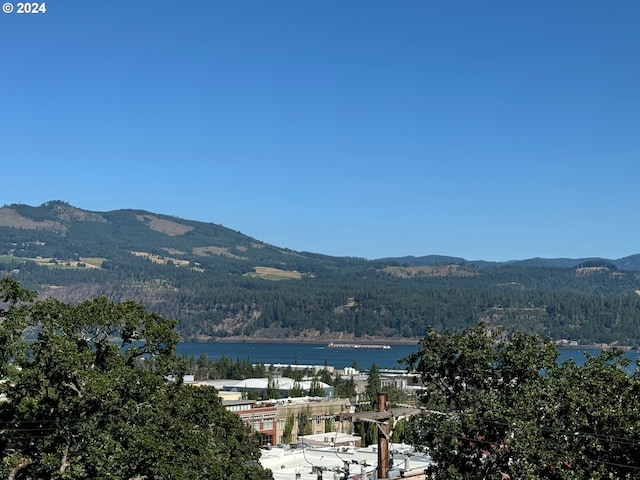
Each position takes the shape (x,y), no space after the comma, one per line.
(220,283)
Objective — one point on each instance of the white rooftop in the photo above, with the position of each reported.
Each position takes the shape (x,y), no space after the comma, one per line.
(286,463)
(281,383)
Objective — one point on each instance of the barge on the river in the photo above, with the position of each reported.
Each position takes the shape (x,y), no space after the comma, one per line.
(359,345)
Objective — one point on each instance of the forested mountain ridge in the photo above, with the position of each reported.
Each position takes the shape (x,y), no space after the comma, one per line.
(220,283)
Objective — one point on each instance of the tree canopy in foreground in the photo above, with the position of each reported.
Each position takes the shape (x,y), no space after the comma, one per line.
(498,407)
(95,391)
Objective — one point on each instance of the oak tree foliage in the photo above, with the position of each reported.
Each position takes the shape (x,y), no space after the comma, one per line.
(94,391)
(500,407)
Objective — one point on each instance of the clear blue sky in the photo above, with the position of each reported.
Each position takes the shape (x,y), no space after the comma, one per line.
(488,130)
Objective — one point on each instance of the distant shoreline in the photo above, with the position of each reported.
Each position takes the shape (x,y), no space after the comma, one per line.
(598,346)
(374,341)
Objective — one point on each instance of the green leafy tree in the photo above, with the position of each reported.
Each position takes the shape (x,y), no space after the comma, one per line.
(14,310)
(272,388)
(305,422)
(259,370)
(368,433)
(325,376)
(502,407)
(328,424)
(398,431)
(344,388)
(94,391)
(287,434)
(373,387)
(296,390)
(315,388)
(396,395)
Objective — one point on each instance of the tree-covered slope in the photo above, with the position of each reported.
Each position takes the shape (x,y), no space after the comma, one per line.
(218,282)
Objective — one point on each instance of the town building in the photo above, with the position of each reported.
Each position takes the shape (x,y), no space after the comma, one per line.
(261,417)
(320,416)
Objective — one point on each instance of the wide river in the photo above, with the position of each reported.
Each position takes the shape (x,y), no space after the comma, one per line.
(320,354)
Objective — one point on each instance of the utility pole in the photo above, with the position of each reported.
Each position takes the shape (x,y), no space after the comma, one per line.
(383,439)
(382,417)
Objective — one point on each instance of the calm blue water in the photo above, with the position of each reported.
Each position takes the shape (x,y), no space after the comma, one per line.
(578,356)
(319,354)
(299,353)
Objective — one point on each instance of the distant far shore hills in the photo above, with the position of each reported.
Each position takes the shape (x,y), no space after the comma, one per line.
(222,285)
(61,214)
